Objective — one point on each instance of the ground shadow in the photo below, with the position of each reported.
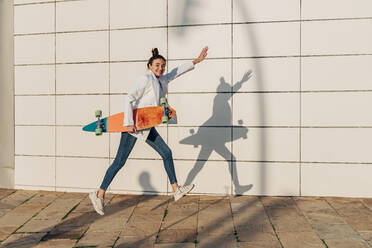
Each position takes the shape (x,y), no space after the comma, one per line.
(210,140)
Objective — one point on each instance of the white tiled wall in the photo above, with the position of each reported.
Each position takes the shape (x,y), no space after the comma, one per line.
(279,107)
(319,9)
(136,44)
(339,179)
(266,39)
(205,183)
(82,78)
(34,110)
(266,144)
(269,178)
(267,74)
(124,74)
(205,143)
(336,73)
(258,10)
(199,81)
(78,109)
(35,140)
(82,47)
(126,13)
(194,12)
(209,109)
(34,49)
(35,171)
(141,176)
(336,109)
(35,79)
(72,172)
(272,109)
(336,145)
(71,141)
(69,15)
(187,42)
(30,19)
(336,37)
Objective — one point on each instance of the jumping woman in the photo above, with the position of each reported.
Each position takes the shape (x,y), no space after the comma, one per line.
(146,92)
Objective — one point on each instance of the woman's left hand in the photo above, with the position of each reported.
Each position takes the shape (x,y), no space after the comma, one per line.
(202,56)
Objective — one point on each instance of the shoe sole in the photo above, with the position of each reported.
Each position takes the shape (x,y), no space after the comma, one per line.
(95,205)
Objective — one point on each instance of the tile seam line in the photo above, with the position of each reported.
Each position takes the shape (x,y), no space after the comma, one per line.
(13,135)
(232,179)
(216,23)
(167,94)
(211,160)
(109,77)
(207,59)
(186,26)
(55,97)
(300,107)
(190,25)
(47,2)
(202,92)
(34,3)
(234,127)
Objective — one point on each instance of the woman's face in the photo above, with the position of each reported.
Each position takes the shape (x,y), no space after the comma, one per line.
(157,67)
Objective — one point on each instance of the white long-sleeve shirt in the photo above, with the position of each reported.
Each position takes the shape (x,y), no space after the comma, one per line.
(148,90)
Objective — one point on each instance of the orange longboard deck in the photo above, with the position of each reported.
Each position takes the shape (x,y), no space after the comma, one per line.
(143,118)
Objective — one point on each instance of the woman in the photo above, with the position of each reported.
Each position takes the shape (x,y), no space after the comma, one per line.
(147,91)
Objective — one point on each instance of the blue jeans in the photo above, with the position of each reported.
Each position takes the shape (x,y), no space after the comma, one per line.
(127,143)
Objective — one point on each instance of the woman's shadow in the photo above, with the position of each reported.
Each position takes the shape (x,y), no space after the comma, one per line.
(210,140)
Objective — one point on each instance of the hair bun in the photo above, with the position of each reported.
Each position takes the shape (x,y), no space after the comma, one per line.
(155,52)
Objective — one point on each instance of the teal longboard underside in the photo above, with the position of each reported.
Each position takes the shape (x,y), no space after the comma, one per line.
(92,126)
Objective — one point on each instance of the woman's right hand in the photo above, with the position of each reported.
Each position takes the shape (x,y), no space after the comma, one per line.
(131,129)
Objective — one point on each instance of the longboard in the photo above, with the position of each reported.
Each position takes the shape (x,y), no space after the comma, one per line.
(143,118)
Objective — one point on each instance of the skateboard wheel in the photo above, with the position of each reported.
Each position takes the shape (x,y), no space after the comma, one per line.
(163,100)
(98,131)
(98,113)
(164,119)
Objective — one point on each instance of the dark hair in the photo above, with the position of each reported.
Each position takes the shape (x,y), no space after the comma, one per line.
(155,55)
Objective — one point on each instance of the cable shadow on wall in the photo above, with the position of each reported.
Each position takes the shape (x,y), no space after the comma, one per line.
(212,141)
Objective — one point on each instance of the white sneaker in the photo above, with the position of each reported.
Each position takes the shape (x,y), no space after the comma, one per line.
(182,190)
(97,203)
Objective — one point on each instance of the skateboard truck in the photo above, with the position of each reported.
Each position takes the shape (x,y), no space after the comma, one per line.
(166,111)
(99,123)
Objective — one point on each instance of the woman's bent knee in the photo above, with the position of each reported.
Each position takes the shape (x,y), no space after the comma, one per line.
(167,154)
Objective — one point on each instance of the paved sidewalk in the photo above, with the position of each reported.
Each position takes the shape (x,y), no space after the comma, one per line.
(54,219)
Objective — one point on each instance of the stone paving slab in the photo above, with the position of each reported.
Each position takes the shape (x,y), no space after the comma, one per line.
(261,244)
(6,192)
(98,239)
(254,236)
(217,241)
(135,242)
(176,236)
(54,219)
(300,240)
(66,232)
(57,243)
(141,229)
(22,240)
(346,243)
(175,245)
(36,225)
